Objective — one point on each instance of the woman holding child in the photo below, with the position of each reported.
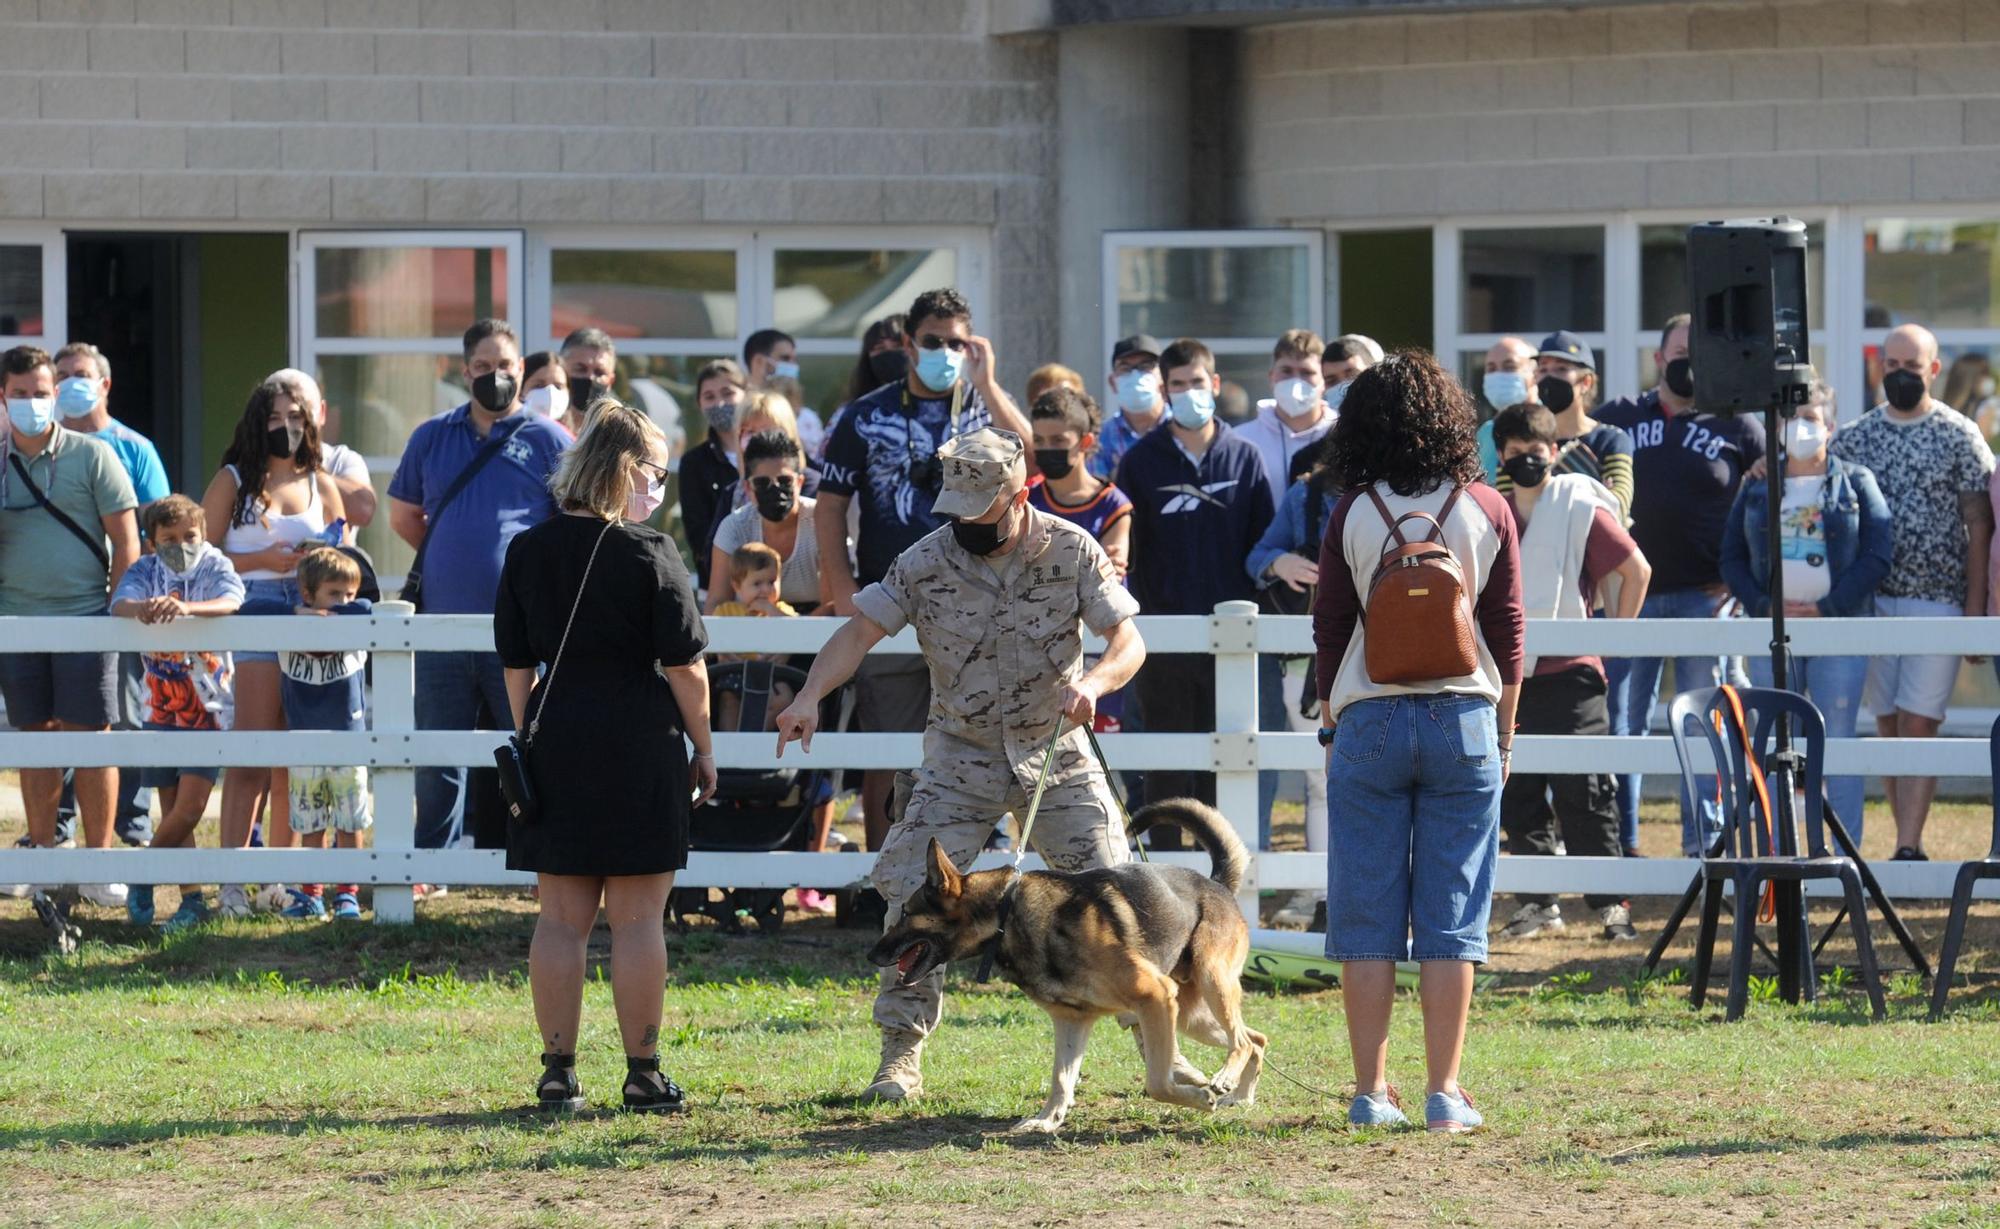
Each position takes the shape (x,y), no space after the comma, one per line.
(608,721)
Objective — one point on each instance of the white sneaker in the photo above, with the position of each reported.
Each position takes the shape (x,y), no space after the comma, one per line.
(1297,912)
(18,890)
(103,895)
(235,901)
(1531,920)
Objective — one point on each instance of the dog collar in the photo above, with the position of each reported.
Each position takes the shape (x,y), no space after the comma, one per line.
(991,951)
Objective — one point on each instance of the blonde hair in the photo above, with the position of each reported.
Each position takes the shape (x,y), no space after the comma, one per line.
(771,405)
(324,564)
(595,475)
(1052,375)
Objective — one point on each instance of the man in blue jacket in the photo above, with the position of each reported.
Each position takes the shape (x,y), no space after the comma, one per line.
(1200,502)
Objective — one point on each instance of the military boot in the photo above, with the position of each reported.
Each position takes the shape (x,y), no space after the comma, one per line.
(899,1078)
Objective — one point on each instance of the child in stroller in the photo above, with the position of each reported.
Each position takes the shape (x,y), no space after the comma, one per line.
(756,809)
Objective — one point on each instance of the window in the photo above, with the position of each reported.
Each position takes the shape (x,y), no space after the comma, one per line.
(1235,290)
(826,297)
(382,315)
(34,290)
(635,294)
(1532,281)
(21,291)
(1937,272)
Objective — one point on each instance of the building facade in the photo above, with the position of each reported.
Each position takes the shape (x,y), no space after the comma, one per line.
(209,189)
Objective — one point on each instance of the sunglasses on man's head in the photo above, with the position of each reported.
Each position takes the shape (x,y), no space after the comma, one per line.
(765,482)
(935,342)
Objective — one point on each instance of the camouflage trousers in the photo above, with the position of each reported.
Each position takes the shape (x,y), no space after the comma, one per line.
(1078,827)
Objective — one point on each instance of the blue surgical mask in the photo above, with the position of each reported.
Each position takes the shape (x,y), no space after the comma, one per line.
(1504,388)
(939,369)
(76,397)
(1336,395)
(31,415)
(1192,408)
(785,371)
(1138,391)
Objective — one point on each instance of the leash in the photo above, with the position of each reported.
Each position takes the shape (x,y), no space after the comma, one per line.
(1116,797)
(991,952)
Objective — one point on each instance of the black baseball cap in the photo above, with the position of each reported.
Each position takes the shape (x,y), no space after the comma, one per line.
(1568,347)
(1137,343)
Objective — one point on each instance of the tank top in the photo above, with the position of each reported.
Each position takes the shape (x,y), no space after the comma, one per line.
(273,529)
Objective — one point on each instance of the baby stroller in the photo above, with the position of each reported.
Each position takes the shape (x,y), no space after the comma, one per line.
(754,809)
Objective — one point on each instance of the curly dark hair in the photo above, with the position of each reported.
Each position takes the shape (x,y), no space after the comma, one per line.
(1406,423)
(249,453)
(944,303)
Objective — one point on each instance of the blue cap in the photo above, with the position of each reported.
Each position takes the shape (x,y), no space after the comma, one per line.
(1568,347)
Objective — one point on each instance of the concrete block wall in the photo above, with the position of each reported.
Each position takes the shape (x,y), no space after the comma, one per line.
(521,112)
(1744,104)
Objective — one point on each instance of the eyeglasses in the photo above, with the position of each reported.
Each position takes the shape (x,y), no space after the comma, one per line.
(783,482)
(935,342)
(656,469)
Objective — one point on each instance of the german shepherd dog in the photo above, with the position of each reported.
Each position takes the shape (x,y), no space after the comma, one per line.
(1158,945)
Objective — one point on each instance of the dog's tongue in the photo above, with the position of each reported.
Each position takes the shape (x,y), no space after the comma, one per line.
(908,960)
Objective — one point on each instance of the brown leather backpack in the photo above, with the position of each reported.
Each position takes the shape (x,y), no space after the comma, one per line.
(1417,618)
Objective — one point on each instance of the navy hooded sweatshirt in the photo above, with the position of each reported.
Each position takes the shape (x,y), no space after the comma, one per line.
(1193,525)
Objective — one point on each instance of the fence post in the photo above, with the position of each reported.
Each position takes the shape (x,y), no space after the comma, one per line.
(1232,638)
(395,787)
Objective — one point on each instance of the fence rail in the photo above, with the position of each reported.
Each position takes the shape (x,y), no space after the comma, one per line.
(394,749)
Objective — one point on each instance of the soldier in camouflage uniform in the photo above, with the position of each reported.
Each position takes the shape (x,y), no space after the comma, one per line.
(999,597)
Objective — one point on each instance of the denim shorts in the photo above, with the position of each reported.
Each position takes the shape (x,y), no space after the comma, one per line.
(170,778)
(285,590)
(1413,828)
(79,688)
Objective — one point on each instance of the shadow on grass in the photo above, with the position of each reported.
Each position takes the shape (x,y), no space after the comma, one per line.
(1853,1141)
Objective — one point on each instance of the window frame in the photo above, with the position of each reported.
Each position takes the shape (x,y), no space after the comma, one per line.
(54,243)
(1311,240)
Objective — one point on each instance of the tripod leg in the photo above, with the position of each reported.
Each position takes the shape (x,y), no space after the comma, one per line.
(1704,946)
(1890,916)
(1864,945)
(1741,944)
(1674,921)
(1954,936)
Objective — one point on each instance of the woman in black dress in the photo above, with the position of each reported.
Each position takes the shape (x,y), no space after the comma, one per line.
(604,603)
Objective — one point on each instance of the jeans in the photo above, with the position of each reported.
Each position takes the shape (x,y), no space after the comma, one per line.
(449,689)
(1413,828)
(1271,719)
(1833,684)
(1634,684)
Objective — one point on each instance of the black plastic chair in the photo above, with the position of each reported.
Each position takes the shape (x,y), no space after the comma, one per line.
(1969,873)
(1746,855)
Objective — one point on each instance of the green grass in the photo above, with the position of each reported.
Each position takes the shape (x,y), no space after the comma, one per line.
(257,1073)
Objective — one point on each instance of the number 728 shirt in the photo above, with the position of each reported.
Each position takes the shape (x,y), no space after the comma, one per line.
(1685,471)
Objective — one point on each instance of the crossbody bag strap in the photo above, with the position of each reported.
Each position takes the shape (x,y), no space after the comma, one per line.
(549,682)
(94,542)
(458,484)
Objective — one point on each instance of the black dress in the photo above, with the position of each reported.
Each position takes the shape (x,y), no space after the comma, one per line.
(609,762)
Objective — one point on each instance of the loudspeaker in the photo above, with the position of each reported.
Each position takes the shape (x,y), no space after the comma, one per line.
(1748,345)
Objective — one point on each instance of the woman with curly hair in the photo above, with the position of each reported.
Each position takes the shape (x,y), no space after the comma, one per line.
(1416,768)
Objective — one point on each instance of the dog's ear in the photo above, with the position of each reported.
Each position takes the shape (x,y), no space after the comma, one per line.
(941,874)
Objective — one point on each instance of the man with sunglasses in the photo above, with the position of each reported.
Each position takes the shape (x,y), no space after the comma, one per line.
(882,458)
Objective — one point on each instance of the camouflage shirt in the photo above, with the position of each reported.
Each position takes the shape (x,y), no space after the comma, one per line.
(1000,647)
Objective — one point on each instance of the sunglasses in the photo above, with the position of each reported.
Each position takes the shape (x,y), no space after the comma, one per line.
(934,342)
(783,482)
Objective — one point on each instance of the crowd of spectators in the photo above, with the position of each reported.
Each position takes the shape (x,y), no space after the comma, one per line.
(1634,509)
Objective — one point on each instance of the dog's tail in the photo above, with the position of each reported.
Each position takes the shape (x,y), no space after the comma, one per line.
(1209,829)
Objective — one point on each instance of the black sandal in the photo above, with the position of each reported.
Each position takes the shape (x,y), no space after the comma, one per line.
(558,1091)
(649,1092)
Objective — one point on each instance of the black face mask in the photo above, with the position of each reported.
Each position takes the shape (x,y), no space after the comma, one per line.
(1556,393)
(1903,389)
(1679,378)
(493,392)
(981,539)
(284,441)
(889,367)
(583,392)
(1528,469)
(775,503)
(1054,462)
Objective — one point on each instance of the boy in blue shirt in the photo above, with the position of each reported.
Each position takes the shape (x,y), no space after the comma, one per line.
(324,691)
(183,577)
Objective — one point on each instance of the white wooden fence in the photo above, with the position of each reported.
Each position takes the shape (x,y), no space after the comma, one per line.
(393,749)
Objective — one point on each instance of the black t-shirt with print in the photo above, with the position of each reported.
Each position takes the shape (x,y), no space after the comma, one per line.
(1685,471)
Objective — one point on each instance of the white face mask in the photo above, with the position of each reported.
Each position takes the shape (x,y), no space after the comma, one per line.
(1138,392)
(1296,397)
(548,401)
(1805,438)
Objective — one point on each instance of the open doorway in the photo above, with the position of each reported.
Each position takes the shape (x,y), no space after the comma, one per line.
(189,323)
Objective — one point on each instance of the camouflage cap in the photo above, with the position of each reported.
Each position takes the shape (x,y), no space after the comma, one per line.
(977,468)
